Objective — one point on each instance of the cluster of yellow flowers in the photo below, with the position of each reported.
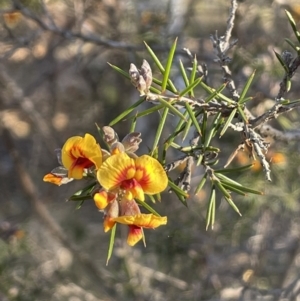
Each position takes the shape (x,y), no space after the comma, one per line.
(122,177)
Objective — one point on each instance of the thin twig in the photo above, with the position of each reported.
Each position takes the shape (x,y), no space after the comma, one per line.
(230,23)
(70,35)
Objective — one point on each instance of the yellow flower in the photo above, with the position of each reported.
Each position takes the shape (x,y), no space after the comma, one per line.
(137,222)
(79,153)
(139,176)
(127,212)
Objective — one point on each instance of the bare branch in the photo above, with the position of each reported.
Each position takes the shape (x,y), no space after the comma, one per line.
(276,110)
(70,35)
(230,23)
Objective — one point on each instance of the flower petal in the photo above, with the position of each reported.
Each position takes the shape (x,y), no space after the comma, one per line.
(115,170)
(76,170)
(131,142)
(67,157)
(142,220)
(91,150)
(111,212)
(79,153)
(51,178)
(117,148)
(133,189)
(108,223)
(101,199)
(150,175)
(135,234)
(129,207)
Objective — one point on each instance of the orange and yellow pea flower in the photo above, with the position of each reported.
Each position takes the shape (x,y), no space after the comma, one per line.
(138,176)
(127,212)
(79,153)
(137,222)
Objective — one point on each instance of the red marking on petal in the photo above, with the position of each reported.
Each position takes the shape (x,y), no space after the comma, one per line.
(82,162)
(135,235)
(128,184)
(123,175)
(144,176)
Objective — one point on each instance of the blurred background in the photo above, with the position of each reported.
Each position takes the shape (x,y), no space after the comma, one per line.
(55,83)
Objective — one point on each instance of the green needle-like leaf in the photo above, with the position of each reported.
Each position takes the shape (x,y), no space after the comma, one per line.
(155,59)
(212,131)
(293,101)
(154,153)
(288,84)
(133,124)
(292,44)
(157,197)
(213,93)
(204,127)
(222,189)
(232,204)
(127,112)
(175,145)
(282,63)
(191,87)
(293,24)
(228,121)
(242,113)
(171,107)
(201,183)
(157,91)
(160,67)
(181,198)
(193,118)
(189,149)
(166,74)
(210,215)
(111,242)
(237,185)
(152,199)
(231,170)
(160,128)
(246,88)
(233,189)
(149,111)
(193,74)
(244,189)
(175,188)
(216,93)
(223,178)
(183,73)
(187,128)
(247,99)
(213,209)
(159,83)
(80,198)
(200,158)
(124,73)
(148,207)
(85,190)
(79,205)
(178,129)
